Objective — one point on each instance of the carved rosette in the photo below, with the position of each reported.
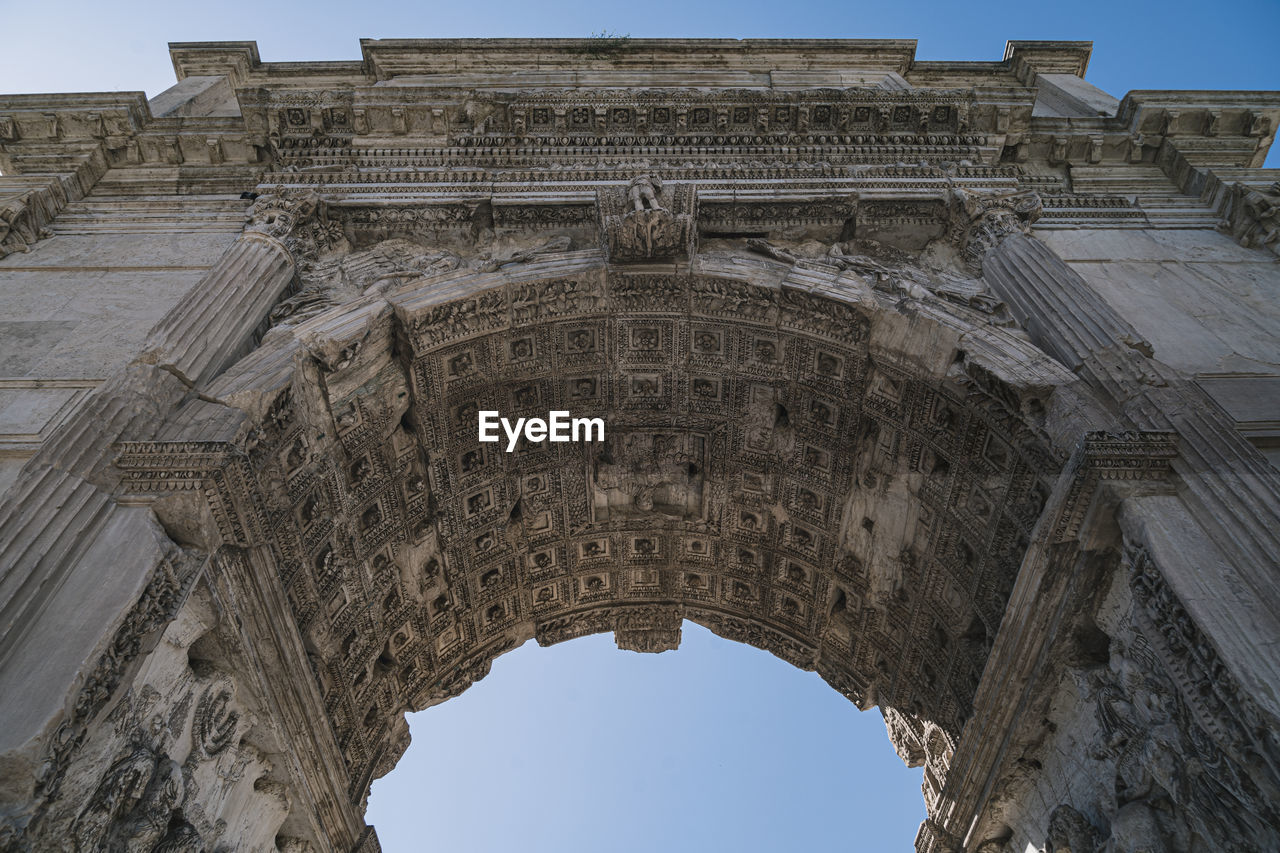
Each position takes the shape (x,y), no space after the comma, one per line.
(791,468)
(982,220)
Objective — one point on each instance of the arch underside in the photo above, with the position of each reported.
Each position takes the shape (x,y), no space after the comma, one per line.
(794,460)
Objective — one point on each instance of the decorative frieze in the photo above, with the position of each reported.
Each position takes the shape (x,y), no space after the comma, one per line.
(857,416)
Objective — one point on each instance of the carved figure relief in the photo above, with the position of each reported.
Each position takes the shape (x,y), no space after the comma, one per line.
(647,220)
(131,807)
(1253,215)
(821,441)
(22,221)
(642,473)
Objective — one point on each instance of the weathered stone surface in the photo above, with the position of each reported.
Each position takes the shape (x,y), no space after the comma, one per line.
(931,377)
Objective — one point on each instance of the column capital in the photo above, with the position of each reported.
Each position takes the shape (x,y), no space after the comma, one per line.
(981,220)
(297,218)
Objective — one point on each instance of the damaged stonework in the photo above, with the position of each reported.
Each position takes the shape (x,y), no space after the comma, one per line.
(933,378)
(23,220)
(182,760)
(648,220)
(1252,216)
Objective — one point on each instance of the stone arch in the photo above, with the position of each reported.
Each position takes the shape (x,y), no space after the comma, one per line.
(842,476)
(1128,685)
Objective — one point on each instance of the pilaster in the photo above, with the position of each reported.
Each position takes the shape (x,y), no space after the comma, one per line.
(311,478)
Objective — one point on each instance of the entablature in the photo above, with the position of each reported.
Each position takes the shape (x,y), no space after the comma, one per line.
(781,117)
(837,101)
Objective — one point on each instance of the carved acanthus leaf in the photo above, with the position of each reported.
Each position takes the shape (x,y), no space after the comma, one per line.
(983,219)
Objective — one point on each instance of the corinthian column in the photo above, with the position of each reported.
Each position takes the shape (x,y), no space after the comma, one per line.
(73,559)
(213,324)
(1233,493)
(1214,524)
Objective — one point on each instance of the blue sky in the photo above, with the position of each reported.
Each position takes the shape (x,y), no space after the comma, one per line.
(93,46)
(581,747)
(77,45)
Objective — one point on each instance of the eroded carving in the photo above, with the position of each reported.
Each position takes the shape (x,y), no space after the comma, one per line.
(23,220)
(983,219)
(838,460)
(648,220)
(1253,215)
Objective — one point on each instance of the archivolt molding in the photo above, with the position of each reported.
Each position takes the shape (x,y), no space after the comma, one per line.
(834,457)
(821,475)
(819,444)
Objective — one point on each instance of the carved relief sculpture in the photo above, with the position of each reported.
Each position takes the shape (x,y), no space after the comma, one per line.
(647,220)
(876,400)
